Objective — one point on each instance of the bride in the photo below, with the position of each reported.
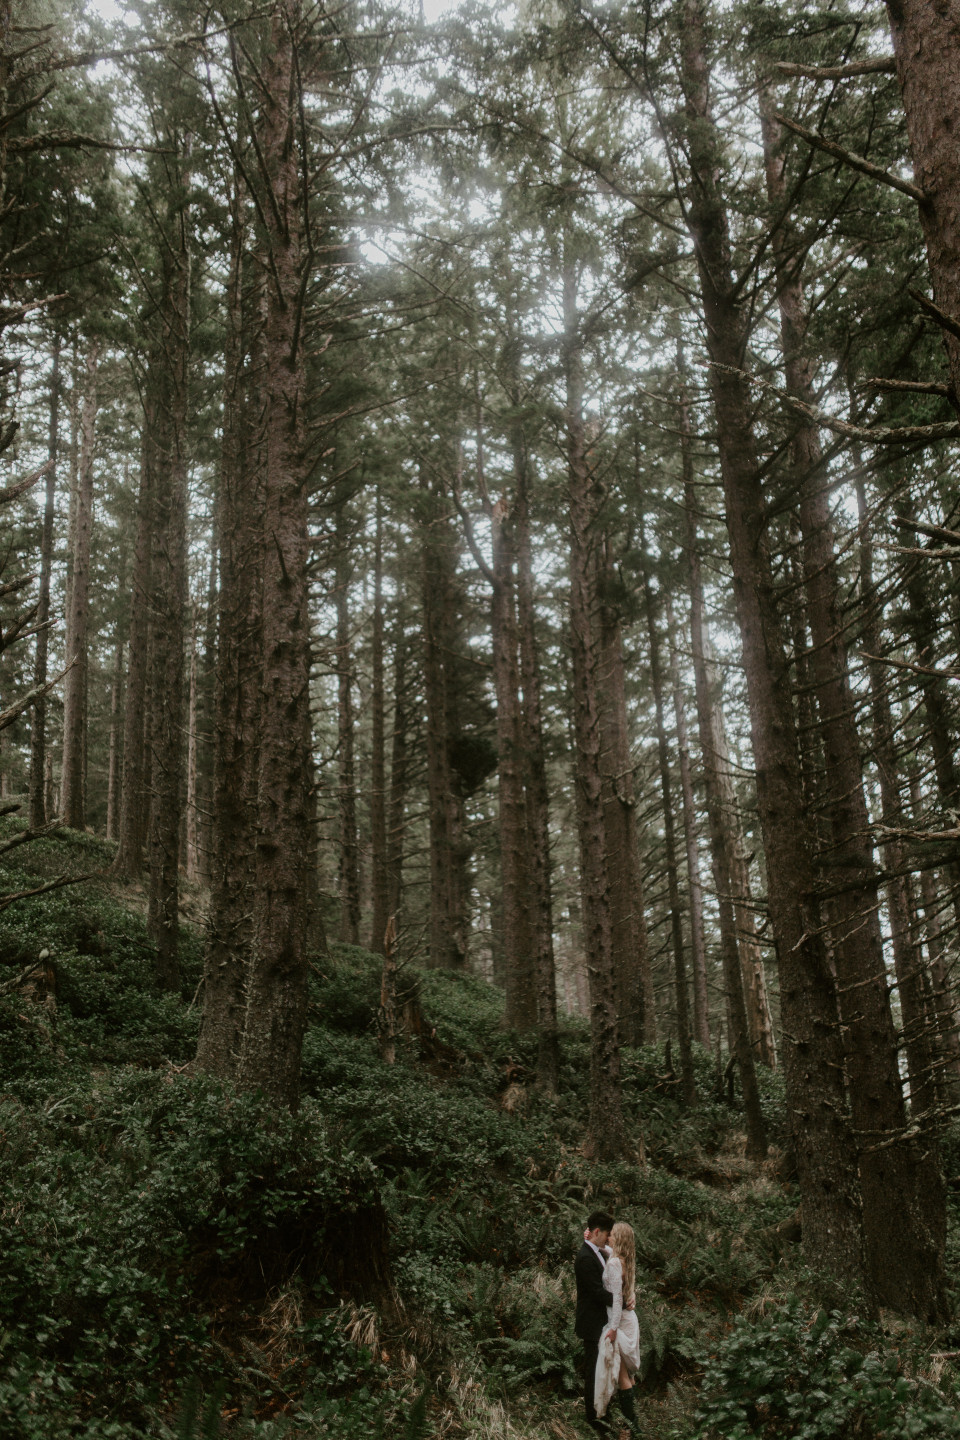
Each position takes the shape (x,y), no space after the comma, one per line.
(619,1357)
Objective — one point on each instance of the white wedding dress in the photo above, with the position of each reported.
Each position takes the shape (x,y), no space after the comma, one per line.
(625,1347)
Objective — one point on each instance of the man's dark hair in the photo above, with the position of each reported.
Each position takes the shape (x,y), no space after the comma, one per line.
(599,1220)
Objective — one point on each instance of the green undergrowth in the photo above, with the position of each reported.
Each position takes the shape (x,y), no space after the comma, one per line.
(395,1259)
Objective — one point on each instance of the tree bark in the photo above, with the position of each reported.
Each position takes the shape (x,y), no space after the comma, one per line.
(701,1024)
(520,1012)
(192,845)
(349,860)
(238,522)
(116,740)
(902,1195)
(630,957)
(812,1054)
(398,767)
(38,724)
(78,615)
(128,862)
(168,583)
(448,940)
(747,1026)
(379,877)
(277,982)
(926,43)
(606,1138)
(682,999)
(535,787)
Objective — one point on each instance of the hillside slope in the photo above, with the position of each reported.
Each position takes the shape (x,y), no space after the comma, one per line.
(396,1258)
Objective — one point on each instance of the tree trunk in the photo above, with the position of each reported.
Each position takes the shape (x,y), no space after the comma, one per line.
(398,767)
(536,792)
(277,984)
(168,588)
(520,1011)
(128,862)
(349,860)
(238,521)
(812,1054)
(918,1033)
(902,1195)
(630,958)
(192,846)
(748,1027)
(116,740)
(38,724)
(701,1024)
(75,683)
(606,1138)
(926,42)
(448,941)
(688,1085)
(379,878)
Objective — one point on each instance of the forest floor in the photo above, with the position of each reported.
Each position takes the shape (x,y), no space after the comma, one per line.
(394,1260)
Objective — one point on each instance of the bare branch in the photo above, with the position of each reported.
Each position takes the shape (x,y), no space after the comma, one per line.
(882,65)
(7,900)
(855,162)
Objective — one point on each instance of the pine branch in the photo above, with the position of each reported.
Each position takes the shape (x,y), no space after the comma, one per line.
(878,435)
(945,321)
(935,532)
(882,65)
(910,387)
(909,665)
(855,162)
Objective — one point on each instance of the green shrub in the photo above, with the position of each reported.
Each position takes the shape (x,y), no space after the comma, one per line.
(816,1375)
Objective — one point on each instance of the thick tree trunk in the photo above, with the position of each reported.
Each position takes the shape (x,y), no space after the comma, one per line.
(349,859)
(926,42)
(168,592)
(812,1053)
(38,724)
(606,1138)
(520,1011)
(75,683)
(919,1033)
(238,526)
(133,792)
(903,1201)
(448,940)
(379,878)
(398,768)
(682,999)
(701,1024)
(748,1026)
(277,983)
(192,838)
(116,743)
(535,770)
(630,957)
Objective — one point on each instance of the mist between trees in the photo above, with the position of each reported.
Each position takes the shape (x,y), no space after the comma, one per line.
(487,491)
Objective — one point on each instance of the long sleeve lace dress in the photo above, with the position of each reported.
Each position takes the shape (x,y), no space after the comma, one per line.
(625,1347)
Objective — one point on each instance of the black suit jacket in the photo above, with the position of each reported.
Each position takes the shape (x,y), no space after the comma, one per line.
(592,1299)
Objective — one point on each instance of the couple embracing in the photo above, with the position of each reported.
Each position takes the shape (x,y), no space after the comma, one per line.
(606,1320)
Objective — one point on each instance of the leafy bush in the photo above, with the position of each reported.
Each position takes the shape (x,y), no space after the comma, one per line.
(816,1375)
(141,1216)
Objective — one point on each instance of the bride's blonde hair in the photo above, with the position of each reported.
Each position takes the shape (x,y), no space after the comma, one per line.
(622,1244)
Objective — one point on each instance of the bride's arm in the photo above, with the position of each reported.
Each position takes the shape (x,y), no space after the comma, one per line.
(615,1286)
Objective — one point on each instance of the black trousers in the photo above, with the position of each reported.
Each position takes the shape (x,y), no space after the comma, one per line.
(591,1349)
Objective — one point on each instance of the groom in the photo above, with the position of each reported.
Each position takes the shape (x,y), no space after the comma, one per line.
(592,1302)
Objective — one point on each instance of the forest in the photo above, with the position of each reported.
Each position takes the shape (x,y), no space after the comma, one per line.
(479,620)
